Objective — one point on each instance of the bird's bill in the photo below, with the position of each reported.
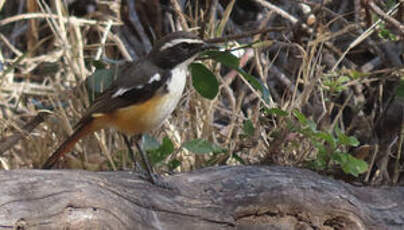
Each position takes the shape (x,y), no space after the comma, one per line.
(209,46)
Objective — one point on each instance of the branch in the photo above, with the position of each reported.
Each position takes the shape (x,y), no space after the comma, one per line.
(211,198)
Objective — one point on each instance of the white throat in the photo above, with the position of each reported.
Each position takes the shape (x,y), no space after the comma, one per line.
(176,84)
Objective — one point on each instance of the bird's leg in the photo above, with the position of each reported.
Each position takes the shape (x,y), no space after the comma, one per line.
(132,154)
(145,160)
(149,170)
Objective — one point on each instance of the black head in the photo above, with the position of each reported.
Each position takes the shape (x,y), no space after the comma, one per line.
(176,48)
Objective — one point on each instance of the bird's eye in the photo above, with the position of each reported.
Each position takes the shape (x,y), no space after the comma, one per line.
(184,46)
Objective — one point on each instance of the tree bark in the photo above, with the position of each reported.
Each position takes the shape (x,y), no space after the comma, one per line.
(239,197)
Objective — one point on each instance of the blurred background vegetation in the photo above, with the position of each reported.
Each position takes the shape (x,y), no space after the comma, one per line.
(315,84)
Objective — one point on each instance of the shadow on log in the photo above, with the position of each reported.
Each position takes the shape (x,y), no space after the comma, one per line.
(249,197)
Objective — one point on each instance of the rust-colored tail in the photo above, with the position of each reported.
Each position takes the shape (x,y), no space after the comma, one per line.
(67,146)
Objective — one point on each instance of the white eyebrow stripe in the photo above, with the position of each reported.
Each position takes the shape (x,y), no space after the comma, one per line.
(180,40)
(155,77)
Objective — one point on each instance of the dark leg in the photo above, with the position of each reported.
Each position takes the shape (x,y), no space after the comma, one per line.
(149,171)
(145,161)
(131,153)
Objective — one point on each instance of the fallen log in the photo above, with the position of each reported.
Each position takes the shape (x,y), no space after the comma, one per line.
(239,197)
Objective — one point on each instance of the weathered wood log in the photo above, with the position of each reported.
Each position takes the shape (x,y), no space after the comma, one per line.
(213,198)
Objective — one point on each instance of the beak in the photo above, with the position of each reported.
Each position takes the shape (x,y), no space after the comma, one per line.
(209,46)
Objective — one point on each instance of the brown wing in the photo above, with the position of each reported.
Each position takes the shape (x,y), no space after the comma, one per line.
(132,86)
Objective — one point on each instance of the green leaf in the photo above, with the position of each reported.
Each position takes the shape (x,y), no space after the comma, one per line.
(400,89)
(202,146)
(340,158)
(161,153)
(346,140)
(350,164)
(356,74)
(335,83)
(173,164)
(320,163)
(248,128)
(300,117)
(204,81)
(353,141)
(343,79)
(238,158)
(304,121)
(276,111)
(257,84)
(322,150)
(386,33)
(231,61)
(329,138)
(226,58)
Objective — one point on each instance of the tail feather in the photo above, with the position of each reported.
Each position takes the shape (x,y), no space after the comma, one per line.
(68,145)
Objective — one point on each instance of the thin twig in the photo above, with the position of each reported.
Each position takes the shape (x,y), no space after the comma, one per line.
(181,17)
(71,19)
(9,141)
(363,36)
(244,35)
(387,17)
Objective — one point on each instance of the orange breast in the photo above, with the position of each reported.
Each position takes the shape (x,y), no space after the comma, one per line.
(139,118)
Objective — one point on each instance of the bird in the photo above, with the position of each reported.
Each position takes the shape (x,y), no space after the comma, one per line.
(142,96)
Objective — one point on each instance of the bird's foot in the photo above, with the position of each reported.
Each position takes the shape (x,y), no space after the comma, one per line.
(156,179)
(160,182)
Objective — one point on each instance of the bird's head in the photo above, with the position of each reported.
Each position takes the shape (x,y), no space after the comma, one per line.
(177,48)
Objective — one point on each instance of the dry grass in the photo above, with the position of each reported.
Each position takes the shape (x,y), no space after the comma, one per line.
(295,69)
